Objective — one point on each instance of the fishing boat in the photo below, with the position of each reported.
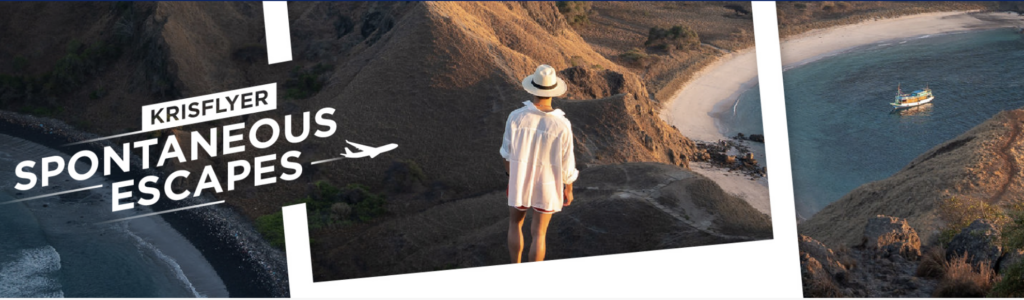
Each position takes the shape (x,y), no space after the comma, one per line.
(915,98)
(920,110)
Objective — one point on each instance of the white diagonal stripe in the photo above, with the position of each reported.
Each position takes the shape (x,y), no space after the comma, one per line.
(161,212)
(53,194)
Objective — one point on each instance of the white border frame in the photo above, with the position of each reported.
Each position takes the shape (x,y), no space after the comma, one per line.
(749,270)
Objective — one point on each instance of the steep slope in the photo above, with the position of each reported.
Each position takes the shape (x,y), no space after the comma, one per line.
(83,62)
(438,79)
(619,208)
(623,126)
(619,29)
(983,163)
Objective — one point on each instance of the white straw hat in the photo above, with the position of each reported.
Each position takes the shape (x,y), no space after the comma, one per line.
(544,82)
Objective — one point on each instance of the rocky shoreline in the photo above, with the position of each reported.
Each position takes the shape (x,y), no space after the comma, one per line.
(226,239)
(732,154)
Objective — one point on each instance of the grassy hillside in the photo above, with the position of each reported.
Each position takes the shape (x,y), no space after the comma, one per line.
(797,17)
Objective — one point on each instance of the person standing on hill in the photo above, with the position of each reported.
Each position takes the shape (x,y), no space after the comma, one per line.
(539,160)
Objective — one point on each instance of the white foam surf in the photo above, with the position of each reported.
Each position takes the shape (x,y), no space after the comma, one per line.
(32,275)
(171,263)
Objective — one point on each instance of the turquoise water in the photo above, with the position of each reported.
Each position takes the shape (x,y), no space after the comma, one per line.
(52,246)
(744,116)
(842,133)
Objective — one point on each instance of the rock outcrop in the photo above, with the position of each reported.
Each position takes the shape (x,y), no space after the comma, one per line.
(892,236)
(820,269)
(1012,257)
(881,267)
(900,218)
(980,242)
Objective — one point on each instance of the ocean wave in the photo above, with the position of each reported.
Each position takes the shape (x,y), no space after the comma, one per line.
(32,275)
(171,263)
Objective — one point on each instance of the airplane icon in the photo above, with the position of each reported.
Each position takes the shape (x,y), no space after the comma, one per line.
(367,150)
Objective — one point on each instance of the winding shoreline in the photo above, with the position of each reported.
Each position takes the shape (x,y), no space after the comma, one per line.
(233,248)
(819,43)
(695,109)
(808,47)
(715,88)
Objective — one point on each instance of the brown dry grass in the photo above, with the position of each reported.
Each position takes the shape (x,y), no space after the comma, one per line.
(817,283)
(471,232)
(821,286)
(733,215)
(961,279)
(845,257)
(959,212)
(797,17)
(933,263)
(619,27)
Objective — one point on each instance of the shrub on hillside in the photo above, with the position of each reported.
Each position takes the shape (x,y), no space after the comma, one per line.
(272,228)
(961,279)
(679,37)
(960,212)
(933,263)
(635,57)
(821,285)
(362,205)
(1012,284)
(306,82)
(404,176)
(1012,234)
(366,205)
(327,206)
(577,13)
(576,61)
(19,64)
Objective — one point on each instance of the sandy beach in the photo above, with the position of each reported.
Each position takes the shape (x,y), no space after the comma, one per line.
(815,44)
(712,90)
(693,111)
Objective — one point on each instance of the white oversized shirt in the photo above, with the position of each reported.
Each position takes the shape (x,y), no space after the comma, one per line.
(539,148)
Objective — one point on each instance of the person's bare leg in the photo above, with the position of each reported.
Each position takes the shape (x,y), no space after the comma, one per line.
(515,234)
(539,231)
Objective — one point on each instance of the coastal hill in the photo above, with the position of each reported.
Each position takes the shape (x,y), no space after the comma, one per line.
(982,164)
(946,225)
(440,78)
(796,17)
(437,78)
(620,208)
(620,30)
